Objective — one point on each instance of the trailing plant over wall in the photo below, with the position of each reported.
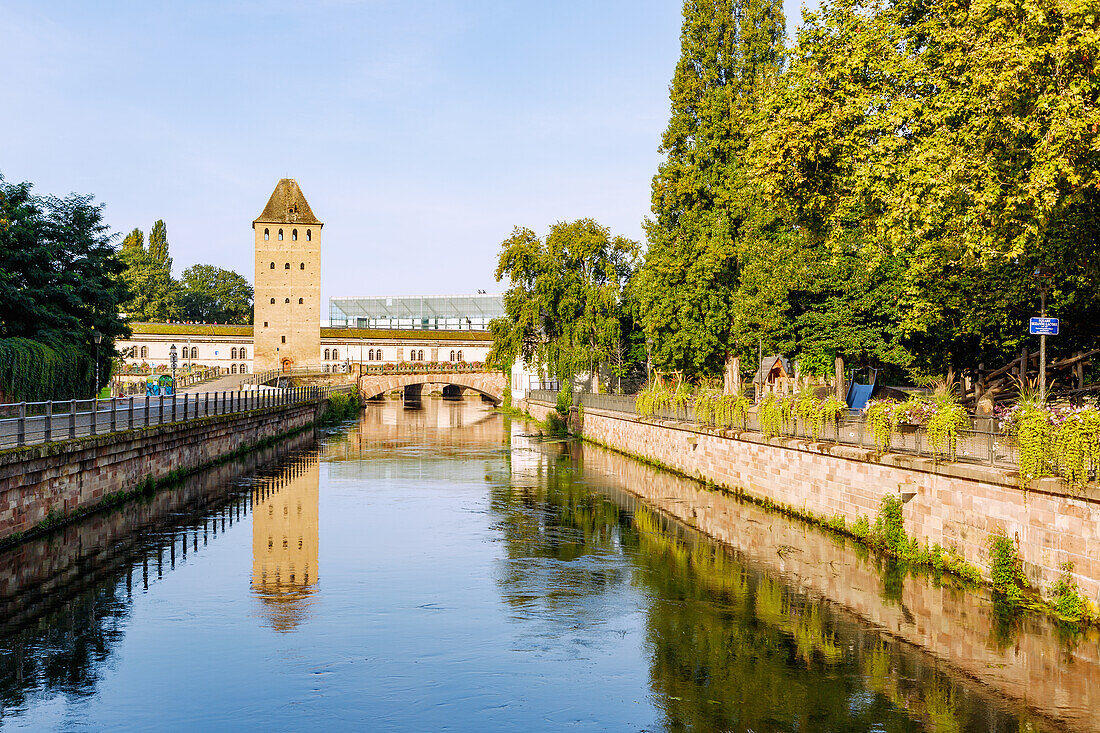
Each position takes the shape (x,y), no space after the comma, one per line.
(1053,440)
(880,420)
(815,413)
(948,419)
(1076,443)
(775,415)
(33,371)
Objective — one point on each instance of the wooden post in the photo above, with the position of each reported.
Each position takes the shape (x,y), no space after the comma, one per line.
(1023,368)
(1079,371)
(841,391)
(731,378)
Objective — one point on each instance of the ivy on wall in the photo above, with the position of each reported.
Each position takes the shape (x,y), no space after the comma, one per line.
(33,371)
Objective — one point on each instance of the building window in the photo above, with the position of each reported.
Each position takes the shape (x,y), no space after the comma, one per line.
(233,353)
(335,354)
(286,301)
(309,236)
(460,355)
(272,265)
(293,235)
(244,353)
(194,352)
(280,235)
(284,339)
(452,354)
(324,367)
(370,355)
(244,368)
(267,234)
(301,301)
(232,368)
(327,352)
(301,265)
(144,352)
(286,266)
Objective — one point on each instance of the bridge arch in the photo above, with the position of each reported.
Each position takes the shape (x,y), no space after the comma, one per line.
(488,384)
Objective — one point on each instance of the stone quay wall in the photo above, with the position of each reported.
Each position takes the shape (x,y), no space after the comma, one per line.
(56,480)
(954,504)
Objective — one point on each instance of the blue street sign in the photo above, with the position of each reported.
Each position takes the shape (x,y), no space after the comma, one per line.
(1043,326)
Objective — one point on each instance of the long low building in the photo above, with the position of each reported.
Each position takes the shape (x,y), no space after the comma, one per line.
(232,348)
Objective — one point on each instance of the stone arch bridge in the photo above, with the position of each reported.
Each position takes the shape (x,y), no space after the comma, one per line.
(488,384)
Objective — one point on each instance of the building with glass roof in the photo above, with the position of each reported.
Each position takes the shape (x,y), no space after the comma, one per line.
(429,312)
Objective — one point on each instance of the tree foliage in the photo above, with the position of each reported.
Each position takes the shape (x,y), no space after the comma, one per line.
(154,294)
(565,302)
(701,197)
(213,295)
(60,277)
(887,193)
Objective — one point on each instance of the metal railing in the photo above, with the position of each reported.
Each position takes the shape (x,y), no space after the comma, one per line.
(30,423)
(984,443)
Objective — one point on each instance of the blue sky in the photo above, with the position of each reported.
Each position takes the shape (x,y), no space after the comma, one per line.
(420,132)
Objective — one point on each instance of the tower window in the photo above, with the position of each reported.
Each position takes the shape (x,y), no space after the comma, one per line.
(286,266)
(284,339)
(267,234)
(301,301)
(302,266)
(265,324)
(272,301)
(280,235)
(293,235)
(286,301)
(309,236)
(272,265)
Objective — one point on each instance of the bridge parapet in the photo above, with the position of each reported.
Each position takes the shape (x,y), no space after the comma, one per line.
(490,384)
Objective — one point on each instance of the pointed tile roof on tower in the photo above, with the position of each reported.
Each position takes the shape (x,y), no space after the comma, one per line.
(287,205)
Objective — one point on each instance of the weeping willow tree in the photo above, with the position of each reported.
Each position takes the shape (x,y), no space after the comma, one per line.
(564,309)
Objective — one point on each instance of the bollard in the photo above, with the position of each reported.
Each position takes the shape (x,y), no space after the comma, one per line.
(47,435)
(72,419)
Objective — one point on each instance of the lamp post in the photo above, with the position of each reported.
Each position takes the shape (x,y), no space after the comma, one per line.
(98,338)
(1043,274)
(172,361)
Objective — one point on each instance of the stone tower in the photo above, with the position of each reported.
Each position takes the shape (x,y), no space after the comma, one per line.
(287,311)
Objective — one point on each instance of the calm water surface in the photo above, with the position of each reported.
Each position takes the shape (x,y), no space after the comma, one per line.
(442,569)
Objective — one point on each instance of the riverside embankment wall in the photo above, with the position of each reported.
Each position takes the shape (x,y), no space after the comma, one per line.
(955,505)
(59,479)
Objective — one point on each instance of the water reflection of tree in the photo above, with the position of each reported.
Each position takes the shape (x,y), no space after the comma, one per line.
(732,647)
(65,650)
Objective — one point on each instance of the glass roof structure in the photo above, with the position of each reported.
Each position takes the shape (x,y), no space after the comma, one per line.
(434,312)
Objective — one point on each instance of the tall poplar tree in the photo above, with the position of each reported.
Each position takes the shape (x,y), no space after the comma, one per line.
(701,193)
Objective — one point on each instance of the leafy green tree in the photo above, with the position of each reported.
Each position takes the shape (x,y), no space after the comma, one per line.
(213,295)
(155,295)
(60,276)
(701,195)
(158,243)
(565,303)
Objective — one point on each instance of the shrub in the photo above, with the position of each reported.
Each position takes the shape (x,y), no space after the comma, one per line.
(1005,570)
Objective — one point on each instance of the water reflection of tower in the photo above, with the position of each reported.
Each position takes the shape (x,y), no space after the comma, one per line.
(284,543)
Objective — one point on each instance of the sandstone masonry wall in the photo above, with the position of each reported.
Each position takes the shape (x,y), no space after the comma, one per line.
(67,476)
(955,505)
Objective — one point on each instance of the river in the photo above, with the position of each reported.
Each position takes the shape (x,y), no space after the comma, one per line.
(445,568)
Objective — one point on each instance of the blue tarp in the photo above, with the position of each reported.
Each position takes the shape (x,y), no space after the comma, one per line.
(858,394)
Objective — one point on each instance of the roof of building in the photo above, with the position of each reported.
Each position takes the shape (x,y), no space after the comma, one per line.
(197,329)
(767,364)
(287,205)
(190,329)
(482,305)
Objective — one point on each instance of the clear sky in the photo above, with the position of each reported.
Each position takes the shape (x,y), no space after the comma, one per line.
(420,132)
